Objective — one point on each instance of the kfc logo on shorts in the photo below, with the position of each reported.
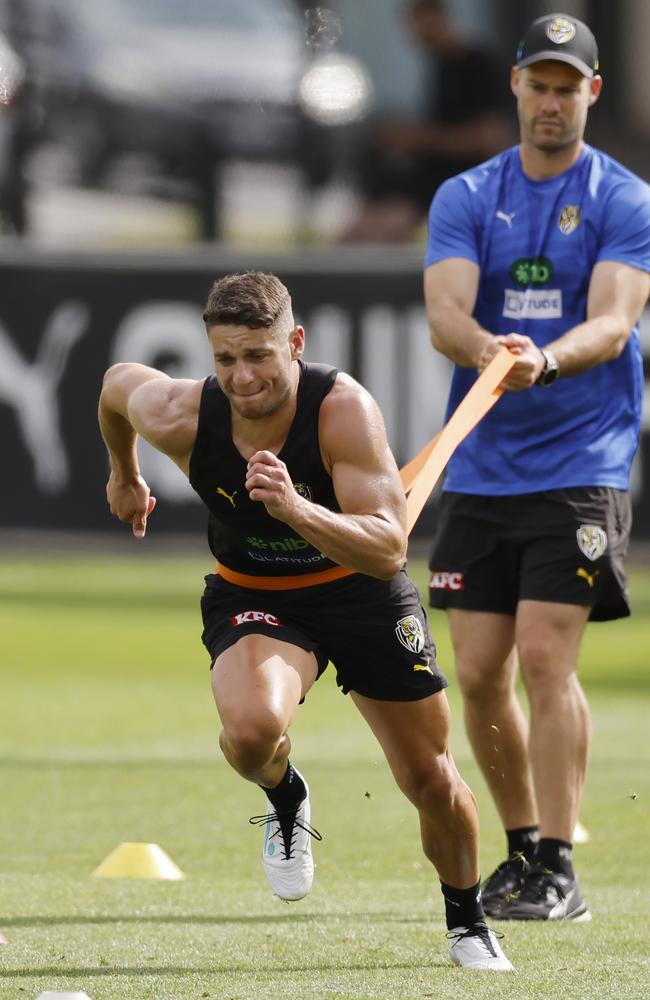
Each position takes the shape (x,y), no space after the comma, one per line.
(410,633)
(245,617)
(592,541)
(445,580)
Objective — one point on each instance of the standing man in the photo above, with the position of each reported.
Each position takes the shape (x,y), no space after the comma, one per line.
(307,522)
(403,162)
(545,250)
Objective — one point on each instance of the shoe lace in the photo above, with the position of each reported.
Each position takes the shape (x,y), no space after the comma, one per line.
(516,864)
(477,930)
(288,826)
(537,884)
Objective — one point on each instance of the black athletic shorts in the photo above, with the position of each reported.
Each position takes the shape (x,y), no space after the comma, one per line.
(565,545)
(375,632)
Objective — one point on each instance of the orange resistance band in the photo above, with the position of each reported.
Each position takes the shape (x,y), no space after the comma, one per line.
(419,476)
(472,408)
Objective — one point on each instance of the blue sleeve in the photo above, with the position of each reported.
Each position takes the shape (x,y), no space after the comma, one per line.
(452,230)
(626,226)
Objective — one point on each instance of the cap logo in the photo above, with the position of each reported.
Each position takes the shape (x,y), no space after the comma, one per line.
(560,30)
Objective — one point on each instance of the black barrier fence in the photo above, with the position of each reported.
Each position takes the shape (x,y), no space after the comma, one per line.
(64,319)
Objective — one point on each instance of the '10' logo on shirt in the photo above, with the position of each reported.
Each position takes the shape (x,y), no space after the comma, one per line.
(531,271)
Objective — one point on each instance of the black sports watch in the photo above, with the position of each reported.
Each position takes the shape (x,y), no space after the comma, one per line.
(550,371)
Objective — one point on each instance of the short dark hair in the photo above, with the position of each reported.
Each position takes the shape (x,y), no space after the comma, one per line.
(253,299)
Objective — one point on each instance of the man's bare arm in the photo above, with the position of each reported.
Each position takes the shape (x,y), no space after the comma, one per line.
(136,400)
(482,137)
(617,296)
(369,534)
(450,290)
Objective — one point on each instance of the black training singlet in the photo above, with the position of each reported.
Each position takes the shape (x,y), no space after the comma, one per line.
(242,535)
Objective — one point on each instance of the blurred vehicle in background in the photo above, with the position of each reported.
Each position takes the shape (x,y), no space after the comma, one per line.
(14,138)
(161,93)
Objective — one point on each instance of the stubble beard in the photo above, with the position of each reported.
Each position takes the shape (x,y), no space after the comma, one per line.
(564,137)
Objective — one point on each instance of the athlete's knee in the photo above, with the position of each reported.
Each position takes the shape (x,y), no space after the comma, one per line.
(250,743)
(430,784)
(539,651)
(543,663)
(482,682)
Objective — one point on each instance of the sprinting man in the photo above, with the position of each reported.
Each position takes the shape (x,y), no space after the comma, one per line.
(544,249)
(307,522)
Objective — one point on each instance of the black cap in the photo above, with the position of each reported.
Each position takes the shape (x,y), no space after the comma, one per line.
(560,37)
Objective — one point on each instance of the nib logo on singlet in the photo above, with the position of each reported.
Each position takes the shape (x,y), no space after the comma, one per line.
(278,544)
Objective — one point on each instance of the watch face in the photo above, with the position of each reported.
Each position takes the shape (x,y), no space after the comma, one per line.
(548,377)
(550,372)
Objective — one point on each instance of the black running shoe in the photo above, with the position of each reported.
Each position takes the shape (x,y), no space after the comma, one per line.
(547,895)
(504,884)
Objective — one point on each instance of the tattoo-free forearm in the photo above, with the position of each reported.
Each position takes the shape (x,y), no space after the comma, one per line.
(591,343)
(457,335)
(367,543)
(119,436)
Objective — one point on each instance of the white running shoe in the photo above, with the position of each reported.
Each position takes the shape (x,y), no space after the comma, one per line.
(286,853)
(477,947)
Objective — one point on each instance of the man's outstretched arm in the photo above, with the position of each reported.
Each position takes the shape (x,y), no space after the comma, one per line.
(136,400)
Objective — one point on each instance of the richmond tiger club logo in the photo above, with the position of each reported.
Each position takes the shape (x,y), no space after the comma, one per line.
(592,541)
(560,30)
(410,633)
(303,490)
(569,219)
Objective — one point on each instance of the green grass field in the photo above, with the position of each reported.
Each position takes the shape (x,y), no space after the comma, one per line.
(109,735)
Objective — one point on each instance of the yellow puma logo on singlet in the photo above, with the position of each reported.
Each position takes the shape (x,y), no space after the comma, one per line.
(229,497)
(422,666)
(589,577)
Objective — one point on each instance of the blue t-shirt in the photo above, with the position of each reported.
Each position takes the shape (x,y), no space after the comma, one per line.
(536,243)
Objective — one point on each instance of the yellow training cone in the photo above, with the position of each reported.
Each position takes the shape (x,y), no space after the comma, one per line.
(66,995)
(138,861)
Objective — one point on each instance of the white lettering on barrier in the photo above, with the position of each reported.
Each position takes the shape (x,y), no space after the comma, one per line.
(32,392)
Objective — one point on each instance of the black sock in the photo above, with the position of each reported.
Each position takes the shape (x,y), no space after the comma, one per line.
(463,907)
(523,840)
(556,855)
(289,793)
